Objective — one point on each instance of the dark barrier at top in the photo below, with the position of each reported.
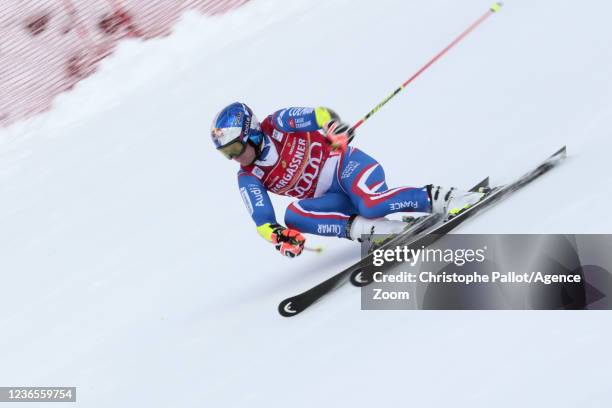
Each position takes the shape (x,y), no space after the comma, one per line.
(48,46)
(467,272)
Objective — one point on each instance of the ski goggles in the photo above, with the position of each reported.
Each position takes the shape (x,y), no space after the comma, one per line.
(232,149)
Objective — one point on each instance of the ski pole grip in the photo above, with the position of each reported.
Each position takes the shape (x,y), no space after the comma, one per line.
(497,6)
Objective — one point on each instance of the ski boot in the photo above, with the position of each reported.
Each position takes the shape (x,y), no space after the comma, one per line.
(450,202)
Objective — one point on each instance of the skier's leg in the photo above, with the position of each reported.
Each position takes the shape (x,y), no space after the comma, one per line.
(327,215)
(363,179)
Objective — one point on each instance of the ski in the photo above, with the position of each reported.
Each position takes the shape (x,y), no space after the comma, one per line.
(296,304)
(364,275)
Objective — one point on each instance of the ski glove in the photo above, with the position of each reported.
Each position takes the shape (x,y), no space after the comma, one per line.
(287,241)
(338,134)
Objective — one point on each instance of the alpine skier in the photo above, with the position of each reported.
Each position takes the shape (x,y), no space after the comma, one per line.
(341,191)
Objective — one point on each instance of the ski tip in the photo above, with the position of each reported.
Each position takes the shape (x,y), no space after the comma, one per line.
(286,308)
(359,278)
(562,152)
(559,154)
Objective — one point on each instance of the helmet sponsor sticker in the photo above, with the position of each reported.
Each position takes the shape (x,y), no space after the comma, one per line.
(217,136)
(223,136)
(236,120)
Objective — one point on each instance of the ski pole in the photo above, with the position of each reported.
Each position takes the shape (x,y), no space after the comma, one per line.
(493,9)
(318,249)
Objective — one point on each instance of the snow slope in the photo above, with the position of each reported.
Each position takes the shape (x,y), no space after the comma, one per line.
(132,271)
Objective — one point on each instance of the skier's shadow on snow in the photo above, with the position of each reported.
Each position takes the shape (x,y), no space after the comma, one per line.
(291,281)
(319,266)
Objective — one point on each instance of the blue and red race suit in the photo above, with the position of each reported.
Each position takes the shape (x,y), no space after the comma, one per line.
(297,161)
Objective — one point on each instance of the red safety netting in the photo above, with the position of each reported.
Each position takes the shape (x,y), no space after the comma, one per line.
(47,46)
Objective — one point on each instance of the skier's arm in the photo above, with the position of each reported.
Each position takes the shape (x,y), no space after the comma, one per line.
(297,119)
(255,196)
(257,202)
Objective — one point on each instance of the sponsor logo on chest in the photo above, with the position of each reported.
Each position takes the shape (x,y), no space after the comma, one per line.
(257,172)
(292,162)
(277,135)
(300,167)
